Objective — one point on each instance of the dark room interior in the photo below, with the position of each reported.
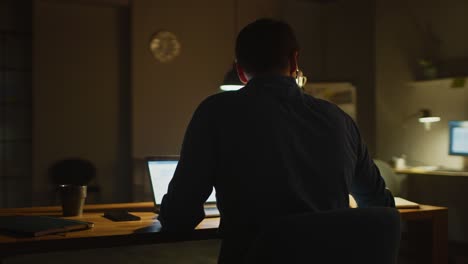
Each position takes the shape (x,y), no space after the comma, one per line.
(84,81)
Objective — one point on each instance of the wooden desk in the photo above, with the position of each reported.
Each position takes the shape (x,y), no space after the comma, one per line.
(421,171)
(109,234)
(427,233)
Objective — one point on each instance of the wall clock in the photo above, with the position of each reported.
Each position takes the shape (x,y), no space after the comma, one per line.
(164,46)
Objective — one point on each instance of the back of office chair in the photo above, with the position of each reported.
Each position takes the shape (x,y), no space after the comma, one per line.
(361,235)
(396,183)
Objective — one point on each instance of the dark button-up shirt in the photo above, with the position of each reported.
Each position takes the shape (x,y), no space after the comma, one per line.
(269,150)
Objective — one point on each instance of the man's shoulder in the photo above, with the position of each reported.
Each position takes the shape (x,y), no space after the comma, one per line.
(219,99)
(329,109)
(323,104)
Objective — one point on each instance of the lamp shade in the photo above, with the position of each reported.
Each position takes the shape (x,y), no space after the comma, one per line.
(231,81)
(427,117)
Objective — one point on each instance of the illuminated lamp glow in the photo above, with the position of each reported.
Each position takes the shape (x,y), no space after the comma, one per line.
(230,87)
(429,119)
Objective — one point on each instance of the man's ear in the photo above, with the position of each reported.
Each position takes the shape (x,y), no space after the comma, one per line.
(293,62)
(241,73)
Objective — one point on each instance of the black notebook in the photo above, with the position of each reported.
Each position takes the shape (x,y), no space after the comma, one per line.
(40,225)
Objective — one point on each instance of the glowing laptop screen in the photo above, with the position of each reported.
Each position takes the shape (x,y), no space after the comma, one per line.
(161,173)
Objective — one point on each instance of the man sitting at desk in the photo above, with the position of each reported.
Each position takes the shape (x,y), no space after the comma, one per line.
(269,149)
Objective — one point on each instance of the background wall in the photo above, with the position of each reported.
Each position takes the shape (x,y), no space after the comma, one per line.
(338,44)
(15,102)
(166,94)
(81,87)
(407,31)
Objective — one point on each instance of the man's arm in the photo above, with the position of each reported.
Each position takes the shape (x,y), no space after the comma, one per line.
(368,186)
(182,207)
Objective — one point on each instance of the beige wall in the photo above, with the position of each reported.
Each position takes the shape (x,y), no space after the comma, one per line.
(166,94)
(250,10)
(77,87)
(403,37)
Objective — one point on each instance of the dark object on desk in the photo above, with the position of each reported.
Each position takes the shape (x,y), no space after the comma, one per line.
(361,235)
(119,216)
(72,176)
(75,171)
(73,199)
(34,226)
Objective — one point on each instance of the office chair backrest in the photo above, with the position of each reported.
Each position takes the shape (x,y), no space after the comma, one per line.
(361,235)
(395,183)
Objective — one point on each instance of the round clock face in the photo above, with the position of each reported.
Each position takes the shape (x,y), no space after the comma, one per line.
(164,46)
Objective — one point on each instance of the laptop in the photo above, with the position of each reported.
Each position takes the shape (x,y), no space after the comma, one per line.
(161,169)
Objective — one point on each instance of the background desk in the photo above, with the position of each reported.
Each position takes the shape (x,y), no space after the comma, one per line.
(109,234)
(445,189)
(420,171)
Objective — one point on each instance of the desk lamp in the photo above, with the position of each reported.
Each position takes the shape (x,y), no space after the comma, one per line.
(231,80)
(426,117)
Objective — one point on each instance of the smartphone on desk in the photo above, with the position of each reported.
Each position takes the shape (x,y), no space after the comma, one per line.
(119,216)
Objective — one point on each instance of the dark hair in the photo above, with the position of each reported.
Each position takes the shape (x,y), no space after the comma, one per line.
(265,45)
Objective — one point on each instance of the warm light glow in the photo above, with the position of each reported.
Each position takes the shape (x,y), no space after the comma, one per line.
(429,119)
(230,87)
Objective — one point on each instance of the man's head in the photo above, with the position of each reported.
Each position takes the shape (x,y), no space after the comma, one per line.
(266,46)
